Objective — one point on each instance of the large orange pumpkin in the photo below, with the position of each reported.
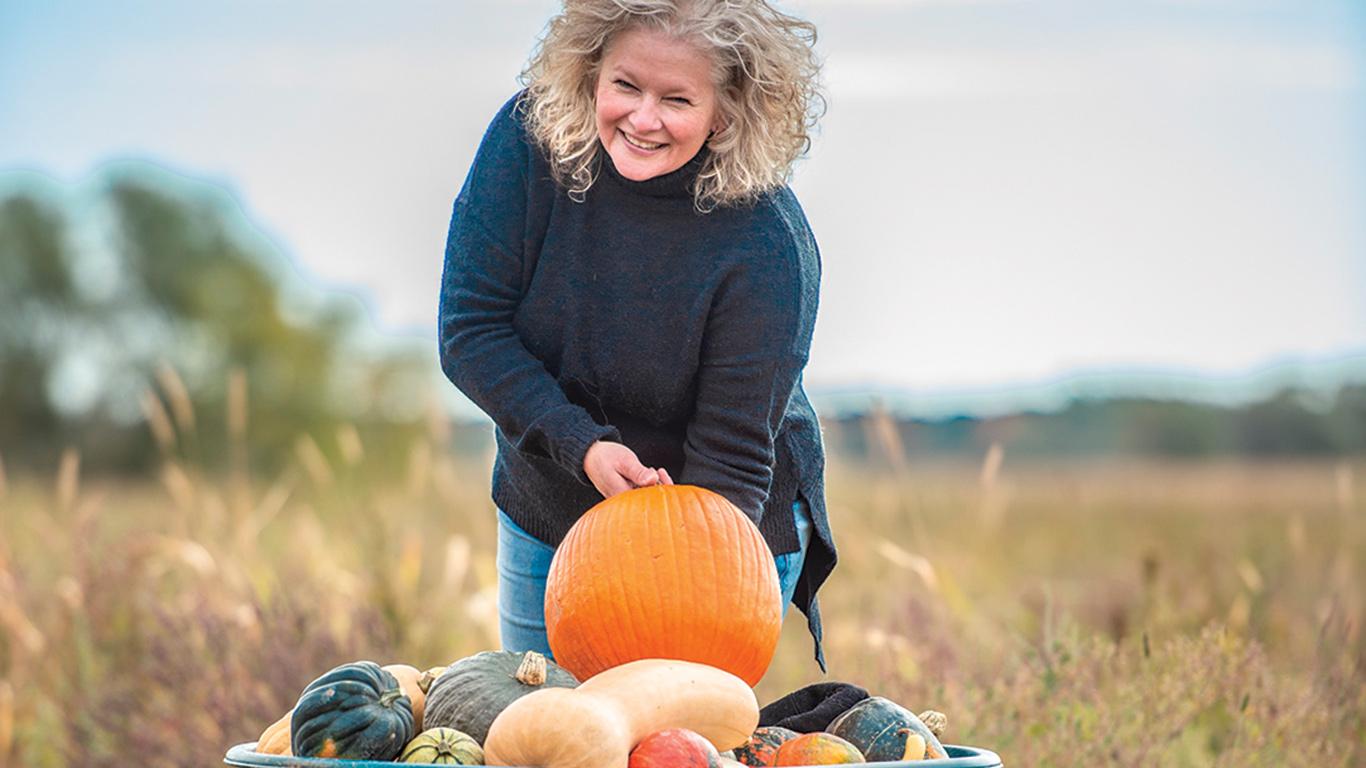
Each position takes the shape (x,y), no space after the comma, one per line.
(664,572)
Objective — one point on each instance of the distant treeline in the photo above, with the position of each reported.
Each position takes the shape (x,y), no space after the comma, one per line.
(142,317)
(1293,423)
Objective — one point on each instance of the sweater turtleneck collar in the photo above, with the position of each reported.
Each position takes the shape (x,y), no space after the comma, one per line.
(675,184)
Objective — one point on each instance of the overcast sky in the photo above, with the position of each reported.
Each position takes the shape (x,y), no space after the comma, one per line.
(1006,193)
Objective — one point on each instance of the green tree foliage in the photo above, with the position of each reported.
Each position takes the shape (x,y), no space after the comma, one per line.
(142,295)
(1292,423)
(36,307)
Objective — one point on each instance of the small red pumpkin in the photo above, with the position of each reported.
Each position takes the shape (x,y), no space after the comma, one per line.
(817,748)
(675,748)
(664,572)
(763,745)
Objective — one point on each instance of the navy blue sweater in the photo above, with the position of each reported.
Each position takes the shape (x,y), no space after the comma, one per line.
(632,317)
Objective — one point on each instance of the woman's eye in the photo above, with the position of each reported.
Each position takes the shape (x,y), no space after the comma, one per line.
(679,100)
(622,84)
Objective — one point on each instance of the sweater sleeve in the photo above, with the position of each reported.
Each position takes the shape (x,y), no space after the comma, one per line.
(756,343)
(484,278)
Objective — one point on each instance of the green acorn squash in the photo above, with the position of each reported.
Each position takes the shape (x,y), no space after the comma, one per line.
(474,690)
(444,746)
(763,745)
(878,727)
(356,711)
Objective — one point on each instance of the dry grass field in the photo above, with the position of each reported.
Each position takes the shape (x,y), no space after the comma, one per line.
(1061,614)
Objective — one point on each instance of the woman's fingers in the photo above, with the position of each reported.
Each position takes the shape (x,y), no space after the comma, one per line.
(614,468)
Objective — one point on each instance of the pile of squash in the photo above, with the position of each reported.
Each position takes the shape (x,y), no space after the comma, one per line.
(873,730)
(511,709)
(362,711)
(641,608)
(520,709)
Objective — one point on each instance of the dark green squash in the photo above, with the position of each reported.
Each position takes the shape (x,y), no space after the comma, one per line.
(444,746)
(472,691)
(878,727)
(356,711)
(763,745)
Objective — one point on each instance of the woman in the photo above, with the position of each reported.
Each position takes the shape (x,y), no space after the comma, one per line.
(630,287)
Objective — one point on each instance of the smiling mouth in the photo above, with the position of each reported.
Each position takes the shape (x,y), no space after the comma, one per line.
(646,145)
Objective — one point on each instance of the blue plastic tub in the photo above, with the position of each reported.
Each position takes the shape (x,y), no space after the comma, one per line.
(246,756)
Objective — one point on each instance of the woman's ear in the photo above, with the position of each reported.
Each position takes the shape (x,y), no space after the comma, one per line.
(717,127)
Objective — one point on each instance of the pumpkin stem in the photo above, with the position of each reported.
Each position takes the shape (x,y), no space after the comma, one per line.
(390,696)
(937,722)
(532,669)
(424,683)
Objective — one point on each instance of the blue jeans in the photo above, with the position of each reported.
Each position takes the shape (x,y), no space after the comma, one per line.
(524,563)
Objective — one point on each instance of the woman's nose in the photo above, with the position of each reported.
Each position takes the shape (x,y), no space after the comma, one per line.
(645,118)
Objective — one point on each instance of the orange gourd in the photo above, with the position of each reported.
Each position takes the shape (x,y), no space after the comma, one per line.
(410,680)
(817,748)
(664,572)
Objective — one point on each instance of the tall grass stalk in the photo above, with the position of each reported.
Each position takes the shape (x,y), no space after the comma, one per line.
(1130,614)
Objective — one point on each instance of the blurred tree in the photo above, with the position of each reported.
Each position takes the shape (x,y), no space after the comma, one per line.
(1292,422)
(36,308)
(212,307)
(1347,420)
(1283,426)
(169,294)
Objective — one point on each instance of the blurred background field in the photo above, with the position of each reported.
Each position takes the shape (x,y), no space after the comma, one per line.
(1069,612)
(216,484)
(1091,364)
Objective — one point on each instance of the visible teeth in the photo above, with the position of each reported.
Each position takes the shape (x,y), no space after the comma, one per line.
(641,144)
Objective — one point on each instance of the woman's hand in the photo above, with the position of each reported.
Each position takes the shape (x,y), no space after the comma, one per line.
(614,468)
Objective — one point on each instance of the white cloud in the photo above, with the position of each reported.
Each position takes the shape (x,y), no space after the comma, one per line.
(1208,65)
(898,75)
(1176,67)
(375,69)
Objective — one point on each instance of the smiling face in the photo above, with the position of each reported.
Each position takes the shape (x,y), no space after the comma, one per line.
(656,103)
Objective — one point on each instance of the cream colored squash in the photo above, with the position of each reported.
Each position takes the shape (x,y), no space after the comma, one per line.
(598,724)
(274,739)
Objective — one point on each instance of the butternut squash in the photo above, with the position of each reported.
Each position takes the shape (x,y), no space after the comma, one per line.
(274,739)
(598,724)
